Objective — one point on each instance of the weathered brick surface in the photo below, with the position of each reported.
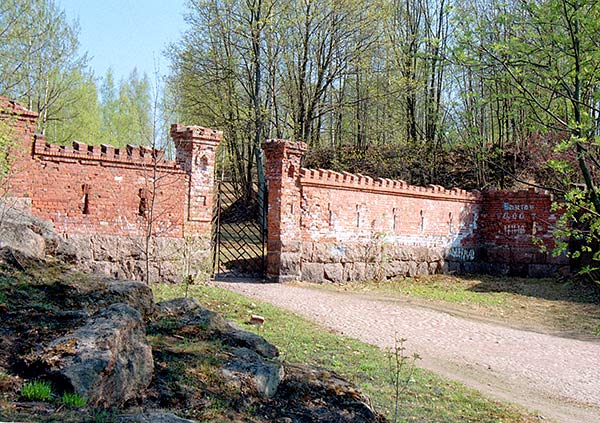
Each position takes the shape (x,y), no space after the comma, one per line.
(322,225)
(510,223)
(329,226)
(103,191)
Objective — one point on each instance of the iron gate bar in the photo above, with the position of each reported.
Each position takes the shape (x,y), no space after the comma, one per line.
(239,237)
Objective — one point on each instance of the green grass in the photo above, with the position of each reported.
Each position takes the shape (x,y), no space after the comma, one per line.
(73,400)
(37,390)
(428,397)
(442,291)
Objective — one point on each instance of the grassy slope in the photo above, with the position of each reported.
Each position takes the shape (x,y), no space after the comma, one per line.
(427,397)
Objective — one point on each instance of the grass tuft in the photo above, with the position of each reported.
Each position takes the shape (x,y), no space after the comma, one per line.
(73,400)
(37,390)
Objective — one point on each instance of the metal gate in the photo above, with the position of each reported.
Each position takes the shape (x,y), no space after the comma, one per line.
(239,231)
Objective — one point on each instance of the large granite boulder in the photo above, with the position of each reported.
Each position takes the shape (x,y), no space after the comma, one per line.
(28,235)
(189,312)
(253,372)
(108,360)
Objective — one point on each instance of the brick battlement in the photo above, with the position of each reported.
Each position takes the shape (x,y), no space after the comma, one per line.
(9,107)
(138,156)
(517,194)
(358,182)
(196,132)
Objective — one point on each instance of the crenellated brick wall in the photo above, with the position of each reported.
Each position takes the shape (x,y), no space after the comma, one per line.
(322,225)
(329,226)
(102,197)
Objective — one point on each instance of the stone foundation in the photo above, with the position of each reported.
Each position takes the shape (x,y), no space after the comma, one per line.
(355,261)
(124,257)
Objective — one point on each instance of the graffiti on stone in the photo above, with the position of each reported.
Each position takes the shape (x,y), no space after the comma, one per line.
(461,254)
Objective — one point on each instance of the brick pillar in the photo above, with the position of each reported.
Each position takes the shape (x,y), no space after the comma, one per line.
(17,128)
(284,213)
(195,152)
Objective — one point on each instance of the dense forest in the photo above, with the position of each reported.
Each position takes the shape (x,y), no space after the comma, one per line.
(475,94)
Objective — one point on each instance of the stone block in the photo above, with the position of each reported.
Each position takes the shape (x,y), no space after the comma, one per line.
(412,268)
(307,250)
(333,272)
(289,263)
(423,268)
(420,254)
(106,248)
(80,247)
(401,252)
(355,251)
(396,268)
(435,267)
(291,246)
(312,272)
(541,270)
(354,272)
(320,253)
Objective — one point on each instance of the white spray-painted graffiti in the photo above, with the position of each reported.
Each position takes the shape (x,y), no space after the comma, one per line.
(514,229)
(461,254)
(516,211)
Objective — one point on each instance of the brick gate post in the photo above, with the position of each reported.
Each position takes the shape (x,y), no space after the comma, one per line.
(284,209)
(195,152)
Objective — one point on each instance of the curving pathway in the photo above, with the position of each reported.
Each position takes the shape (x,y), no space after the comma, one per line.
(558,377)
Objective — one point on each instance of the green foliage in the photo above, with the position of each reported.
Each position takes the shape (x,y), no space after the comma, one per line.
(73,400)
(7,151)
(36,61)
(125,110)
(578,232)
(79,117)
(37,390)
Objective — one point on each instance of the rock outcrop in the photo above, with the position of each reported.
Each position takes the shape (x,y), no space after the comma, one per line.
(86,334)
(191,313)
(27,234)
(253,373)
(108,361)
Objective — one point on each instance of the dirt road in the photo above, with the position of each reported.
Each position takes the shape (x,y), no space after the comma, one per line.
(558,377)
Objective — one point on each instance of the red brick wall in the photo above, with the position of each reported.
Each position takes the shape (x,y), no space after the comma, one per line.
(340,207)
(339,227)
(99,189)
(512,226)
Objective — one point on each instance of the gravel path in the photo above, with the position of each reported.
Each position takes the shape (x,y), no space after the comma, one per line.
(558,377)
